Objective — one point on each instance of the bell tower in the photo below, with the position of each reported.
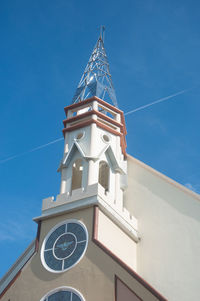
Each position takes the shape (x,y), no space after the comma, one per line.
(95,151)
(94,167)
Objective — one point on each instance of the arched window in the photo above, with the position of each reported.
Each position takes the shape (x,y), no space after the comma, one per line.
(77,171)
(104,175)
(63,294)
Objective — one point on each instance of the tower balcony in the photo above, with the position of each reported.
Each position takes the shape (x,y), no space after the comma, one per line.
(96,111)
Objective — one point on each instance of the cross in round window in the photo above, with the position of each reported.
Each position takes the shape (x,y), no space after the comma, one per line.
(64,246)
(63,294)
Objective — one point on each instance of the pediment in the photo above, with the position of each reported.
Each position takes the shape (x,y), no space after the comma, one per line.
(67,159)
(112,158)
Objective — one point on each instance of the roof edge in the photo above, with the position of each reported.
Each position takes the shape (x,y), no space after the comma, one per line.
(16,267)
(164,177)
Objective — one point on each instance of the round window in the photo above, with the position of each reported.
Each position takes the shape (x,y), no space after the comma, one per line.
(80,135)
(64,246)
(106,138)
(63,294)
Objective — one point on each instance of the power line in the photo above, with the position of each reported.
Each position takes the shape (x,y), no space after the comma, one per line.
(31,150)
(127,113)
(157,101)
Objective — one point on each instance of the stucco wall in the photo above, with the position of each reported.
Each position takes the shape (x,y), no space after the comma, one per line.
(117,241)
(93,276)
(169,224)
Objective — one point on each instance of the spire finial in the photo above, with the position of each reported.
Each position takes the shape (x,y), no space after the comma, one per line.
(102,30)
(96,79)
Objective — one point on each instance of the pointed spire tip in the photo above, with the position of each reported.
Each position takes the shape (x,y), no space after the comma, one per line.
(96,79)
(102,32)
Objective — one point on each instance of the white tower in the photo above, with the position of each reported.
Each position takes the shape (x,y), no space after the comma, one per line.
(94,167)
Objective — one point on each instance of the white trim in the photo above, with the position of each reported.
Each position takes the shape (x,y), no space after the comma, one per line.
(68,157)
(103,151)
(115,215)
(63,288)
(117,218)
(71,151)
(108,150)
(72,205)
(50,232)
(115,164)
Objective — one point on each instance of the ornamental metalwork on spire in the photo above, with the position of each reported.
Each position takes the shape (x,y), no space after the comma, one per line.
(96,79)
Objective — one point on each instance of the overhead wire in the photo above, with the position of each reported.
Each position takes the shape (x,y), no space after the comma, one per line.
(31,150)
(127,113)
(157,101)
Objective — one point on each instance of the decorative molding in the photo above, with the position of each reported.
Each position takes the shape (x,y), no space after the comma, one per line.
(66,207)
(89,122)
(89,113)
(116,166)
(88,118)
(84,102)
(78,126)
(101,125)
(107,149)
(69,155)
(94,195)
(121,218)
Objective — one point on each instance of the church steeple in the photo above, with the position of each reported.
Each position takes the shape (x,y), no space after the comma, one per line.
(96,79)
(94,166)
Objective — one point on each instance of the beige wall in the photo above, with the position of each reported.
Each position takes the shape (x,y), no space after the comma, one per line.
(93,276)
(118,242)
(169,224)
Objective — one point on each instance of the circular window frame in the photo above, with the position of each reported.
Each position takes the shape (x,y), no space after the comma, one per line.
(61,289)
(79,133)
(104,140)
(47,236)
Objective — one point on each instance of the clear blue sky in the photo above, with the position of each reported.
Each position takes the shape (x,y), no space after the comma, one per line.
(153,48)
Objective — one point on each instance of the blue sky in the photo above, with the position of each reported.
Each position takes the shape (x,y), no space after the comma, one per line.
(153,48)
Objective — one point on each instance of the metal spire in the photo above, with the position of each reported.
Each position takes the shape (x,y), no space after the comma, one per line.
(96,79)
